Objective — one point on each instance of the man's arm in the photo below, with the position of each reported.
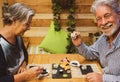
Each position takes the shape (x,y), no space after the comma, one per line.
(88,52)
(111,78)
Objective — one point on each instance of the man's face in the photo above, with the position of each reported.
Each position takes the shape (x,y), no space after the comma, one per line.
(107,20)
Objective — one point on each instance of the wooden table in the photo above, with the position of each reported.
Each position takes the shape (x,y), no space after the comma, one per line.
(55,58)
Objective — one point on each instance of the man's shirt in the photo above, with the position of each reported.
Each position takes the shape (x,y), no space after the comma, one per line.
(109,57)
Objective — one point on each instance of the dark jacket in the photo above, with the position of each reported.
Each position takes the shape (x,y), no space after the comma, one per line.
(3,65)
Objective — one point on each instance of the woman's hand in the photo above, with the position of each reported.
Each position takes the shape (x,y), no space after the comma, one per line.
(33,72)
(28,74)
(22,67)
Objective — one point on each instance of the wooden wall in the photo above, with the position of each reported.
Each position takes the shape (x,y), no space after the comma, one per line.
(1,22)
(85,22)
(40,25)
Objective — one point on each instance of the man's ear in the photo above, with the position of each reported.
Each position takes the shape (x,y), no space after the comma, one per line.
(119,15)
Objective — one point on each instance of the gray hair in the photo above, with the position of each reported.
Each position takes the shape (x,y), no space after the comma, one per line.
(113,4)
(18,11)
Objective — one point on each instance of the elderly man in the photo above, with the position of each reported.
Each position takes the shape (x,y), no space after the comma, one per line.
(107,47)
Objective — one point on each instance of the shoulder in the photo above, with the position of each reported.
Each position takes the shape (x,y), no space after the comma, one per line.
(19,38)
(0,35)
(102,38)
(1,51)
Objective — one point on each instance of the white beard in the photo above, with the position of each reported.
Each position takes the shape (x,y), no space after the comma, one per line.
(116,27)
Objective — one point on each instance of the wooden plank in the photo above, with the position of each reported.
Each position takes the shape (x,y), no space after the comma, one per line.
(36,32)
(83,9)
(41,23)
(85,22)
(1,22)
(35,2)
(11,2)
(32,40)
(35,41)
(41,20)
(64,16)
(42,31)
(46,22)
(87,29)
(44,6)
(84,2)
(83,28)
(48,8)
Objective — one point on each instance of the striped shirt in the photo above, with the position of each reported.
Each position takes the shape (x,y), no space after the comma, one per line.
(109,57)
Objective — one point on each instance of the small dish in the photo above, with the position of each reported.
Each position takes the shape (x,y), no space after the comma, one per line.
(75,63)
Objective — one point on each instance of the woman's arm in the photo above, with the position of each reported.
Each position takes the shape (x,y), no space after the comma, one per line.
(3,65)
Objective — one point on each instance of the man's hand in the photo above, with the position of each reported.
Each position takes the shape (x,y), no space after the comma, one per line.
(94,77)
(76,39)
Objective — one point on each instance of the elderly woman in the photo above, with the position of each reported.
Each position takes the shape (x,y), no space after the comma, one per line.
(13,55)
(107,47)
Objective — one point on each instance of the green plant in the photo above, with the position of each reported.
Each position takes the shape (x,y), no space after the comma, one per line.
(57,7)
(57,11)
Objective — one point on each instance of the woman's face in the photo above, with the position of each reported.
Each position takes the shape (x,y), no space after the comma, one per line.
(107,20)
(22,27)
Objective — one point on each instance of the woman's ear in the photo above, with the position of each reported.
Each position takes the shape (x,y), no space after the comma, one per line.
(14,20)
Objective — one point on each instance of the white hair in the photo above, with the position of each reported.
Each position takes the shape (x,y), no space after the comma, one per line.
(18,11)
(113,4)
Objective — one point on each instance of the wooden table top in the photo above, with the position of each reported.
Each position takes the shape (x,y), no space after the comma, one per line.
(55,58)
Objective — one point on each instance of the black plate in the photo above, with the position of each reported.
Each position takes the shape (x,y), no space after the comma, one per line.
(87,70)
(59,74)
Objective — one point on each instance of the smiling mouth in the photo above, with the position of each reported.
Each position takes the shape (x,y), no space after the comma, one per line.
(109,25)
(106,26)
